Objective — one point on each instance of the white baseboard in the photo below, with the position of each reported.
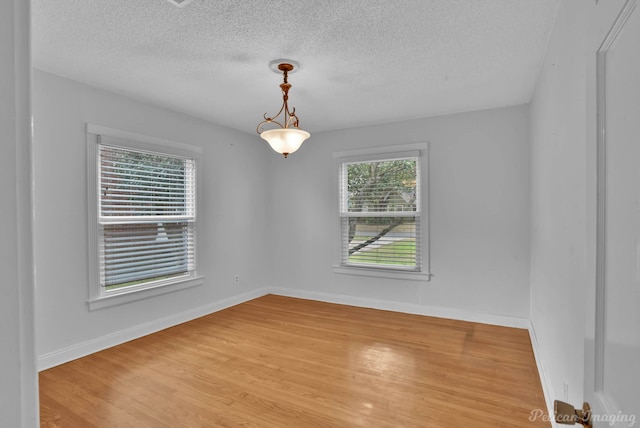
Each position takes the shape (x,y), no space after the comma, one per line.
(62,356)
(408,308)
(79,350)
(544,375)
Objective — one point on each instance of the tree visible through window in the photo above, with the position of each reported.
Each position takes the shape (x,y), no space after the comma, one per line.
(380,213)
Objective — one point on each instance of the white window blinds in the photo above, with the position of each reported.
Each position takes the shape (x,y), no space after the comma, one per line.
(146,216)
(380,213)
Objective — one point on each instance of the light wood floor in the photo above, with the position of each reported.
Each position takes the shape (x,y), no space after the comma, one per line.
(283,362)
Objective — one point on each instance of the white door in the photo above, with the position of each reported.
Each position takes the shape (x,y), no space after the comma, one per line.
(612,369)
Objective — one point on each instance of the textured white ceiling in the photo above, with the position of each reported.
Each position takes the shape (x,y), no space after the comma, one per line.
(362,62)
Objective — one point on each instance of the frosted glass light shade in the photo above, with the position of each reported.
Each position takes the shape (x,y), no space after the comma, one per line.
(285,140)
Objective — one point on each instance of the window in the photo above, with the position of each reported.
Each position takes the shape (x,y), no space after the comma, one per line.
(144,201)
(382,211)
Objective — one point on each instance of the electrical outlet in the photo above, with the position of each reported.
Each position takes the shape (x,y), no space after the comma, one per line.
(237,278)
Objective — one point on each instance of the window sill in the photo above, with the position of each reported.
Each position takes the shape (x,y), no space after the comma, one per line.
(121,298)
(382,273)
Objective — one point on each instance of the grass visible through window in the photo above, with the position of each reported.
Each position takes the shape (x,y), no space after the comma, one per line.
(401,252)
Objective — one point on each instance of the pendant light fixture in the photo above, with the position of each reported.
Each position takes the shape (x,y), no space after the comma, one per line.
(288,137)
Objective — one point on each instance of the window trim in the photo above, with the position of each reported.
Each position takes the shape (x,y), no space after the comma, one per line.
(99,297)
(419,150)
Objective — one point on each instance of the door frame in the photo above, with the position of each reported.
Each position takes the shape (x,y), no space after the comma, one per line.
(602,40)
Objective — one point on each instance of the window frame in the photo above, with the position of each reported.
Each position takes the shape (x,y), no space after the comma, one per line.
(421,152)
(99,296)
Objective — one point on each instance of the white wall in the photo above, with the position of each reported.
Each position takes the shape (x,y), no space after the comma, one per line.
(271,221)
(234,184)
(479,215)
(18,376)
(559,204)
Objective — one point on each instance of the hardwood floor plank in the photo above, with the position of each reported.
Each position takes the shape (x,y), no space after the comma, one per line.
(283,362)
